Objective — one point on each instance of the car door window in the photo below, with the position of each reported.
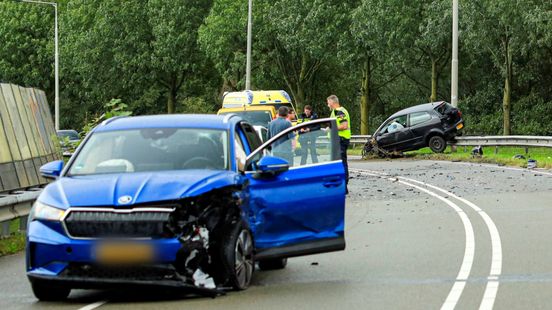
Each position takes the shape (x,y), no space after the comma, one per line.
(305,144)
(419,118)
(396,124)
(240,152)
(251,135)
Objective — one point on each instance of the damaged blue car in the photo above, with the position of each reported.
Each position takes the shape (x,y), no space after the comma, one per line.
(184,201)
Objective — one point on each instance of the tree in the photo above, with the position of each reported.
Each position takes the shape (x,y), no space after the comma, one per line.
(27,45)
(223,39)
(135,48)
(175,54)
(301,39)
(378,34)
(499,29)
(433,38)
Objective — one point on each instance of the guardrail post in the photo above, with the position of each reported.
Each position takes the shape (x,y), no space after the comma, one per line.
(496,149)
(23,223)
(526,150)
(453,148)
(5,228)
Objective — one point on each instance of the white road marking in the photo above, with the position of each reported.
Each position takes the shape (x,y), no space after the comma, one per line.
(94,305)
(535,171)
(496,244)
(496,260)
(469,251)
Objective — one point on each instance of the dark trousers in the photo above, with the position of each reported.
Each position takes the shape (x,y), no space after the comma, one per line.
(344,145)
(308,145)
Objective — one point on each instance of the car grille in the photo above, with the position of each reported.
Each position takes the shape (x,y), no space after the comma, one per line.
(111,223)
(151,273)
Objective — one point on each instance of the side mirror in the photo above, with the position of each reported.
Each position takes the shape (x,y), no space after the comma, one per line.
(52,170)
(270,165)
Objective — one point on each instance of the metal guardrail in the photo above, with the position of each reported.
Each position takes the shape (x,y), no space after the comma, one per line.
(16,205)
(521,141)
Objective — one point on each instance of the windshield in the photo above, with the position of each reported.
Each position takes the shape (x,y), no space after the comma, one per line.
(152,149)
(256,118)
(73,135)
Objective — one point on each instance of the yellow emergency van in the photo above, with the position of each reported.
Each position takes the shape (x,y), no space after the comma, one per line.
(257,115)
(275,98)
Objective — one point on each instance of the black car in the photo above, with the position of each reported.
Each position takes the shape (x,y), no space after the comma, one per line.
(430,124)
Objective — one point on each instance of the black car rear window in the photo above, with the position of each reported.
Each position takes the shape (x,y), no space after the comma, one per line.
(444,108)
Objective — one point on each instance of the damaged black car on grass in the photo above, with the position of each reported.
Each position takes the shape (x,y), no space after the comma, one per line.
(426,125)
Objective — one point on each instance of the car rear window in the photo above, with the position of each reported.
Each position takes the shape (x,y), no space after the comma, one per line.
(444,108)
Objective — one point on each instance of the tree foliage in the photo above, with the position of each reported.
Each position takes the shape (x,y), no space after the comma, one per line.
(378,56)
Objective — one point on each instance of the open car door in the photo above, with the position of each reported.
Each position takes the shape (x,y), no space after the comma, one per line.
(297,192)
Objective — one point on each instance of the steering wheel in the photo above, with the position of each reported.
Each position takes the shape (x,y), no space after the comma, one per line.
(199,163)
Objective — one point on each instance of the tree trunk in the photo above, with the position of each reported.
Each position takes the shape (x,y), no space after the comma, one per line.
(506,106)
(433,97)
(299,98)
(506,99)
(171,102)
(365,98)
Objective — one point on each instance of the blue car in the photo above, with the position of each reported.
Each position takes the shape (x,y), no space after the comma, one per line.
(183,201)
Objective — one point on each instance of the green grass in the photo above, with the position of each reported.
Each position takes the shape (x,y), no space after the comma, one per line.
(503,156)
(13,243)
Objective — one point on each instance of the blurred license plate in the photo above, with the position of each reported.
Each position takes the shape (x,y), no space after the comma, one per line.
(460,126)
(124,253)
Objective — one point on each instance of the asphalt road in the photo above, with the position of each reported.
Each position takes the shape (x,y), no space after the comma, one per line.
(420,235)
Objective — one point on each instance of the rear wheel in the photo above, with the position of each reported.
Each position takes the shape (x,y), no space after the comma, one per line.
(437,144)
(273,264)
(48,292)
(238,258)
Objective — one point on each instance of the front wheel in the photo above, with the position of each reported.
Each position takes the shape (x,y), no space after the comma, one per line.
(238,258)
(437,144)
(367,149)
(47,292)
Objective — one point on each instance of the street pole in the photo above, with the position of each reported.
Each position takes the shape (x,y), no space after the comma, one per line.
(249,35)
(454,75)
(56,58)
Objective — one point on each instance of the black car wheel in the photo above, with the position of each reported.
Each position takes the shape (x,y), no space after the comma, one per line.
(238,258)
(273,264)
(48,292)
(437,144)
(367,149)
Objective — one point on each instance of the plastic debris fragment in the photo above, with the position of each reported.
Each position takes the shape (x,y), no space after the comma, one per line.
(202,279)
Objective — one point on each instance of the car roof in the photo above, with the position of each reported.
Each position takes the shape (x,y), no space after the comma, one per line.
(418,108)
(204,121)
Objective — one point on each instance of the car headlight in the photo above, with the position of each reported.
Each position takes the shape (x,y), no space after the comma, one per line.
(41,211)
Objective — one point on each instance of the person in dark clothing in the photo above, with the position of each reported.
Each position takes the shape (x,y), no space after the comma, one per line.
(344,131)
(307,136)
(281,147)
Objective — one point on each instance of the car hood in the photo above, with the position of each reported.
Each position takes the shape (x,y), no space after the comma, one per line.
(136,188)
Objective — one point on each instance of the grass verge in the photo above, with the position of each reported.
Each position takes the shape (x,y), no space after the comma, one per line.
(501,156)
(13,243)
